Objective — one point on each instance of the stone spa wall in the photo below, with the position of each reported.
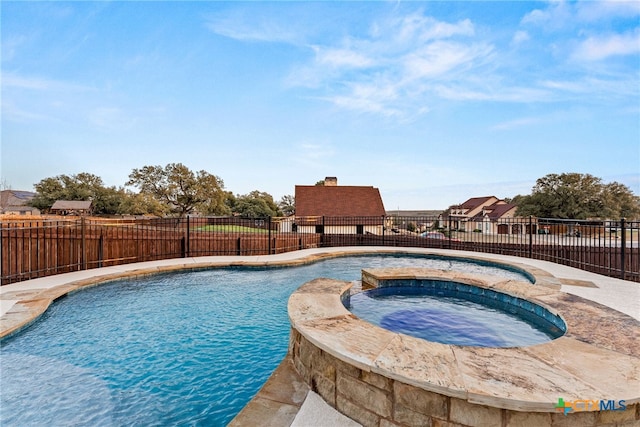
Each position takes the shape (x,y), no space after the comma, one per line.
(383,379)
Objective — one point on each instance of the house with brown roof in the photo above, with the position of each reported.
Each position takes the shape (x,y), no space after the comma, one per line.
(71,207)
(338,209)
(488,214)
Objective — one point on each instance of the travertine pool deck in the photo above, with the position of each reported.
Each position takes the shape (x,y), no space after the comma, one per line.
(282,402)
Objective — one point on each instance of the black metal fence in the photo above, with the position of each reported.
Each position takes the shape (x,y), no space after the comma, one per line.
(44,247)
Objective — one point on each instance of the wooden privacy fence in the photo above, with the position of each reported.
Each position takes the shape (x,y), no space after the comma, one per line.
(32,249)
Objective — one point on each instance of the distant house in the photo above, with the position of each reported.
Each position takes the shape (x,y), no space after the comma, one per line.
(335,209)
(71,207)
(489,215)
(15,202)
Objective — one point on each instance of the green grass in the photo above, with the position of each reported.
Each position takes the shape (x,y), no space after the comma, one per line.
(231,229)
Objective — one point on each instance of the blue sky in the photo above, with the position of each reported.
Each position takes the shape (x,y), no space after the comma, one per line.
(431,102)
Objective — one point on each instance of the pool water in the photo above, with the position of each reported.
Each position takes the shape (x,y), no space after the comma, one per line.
(446,319)
(188,348)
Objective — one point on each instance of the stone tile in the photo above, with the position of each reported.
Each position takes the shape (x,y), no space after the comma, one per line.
(620,379)
(308,306)
(510,378)
(324,286)
(473,415)
(597,324)
(265,412)
(365,395)
(407,417)
(347,338)
(421,401)
(285,385)
(356,413)
(523,289)
(428,365)
(528,419)
(577,419)
(618,417)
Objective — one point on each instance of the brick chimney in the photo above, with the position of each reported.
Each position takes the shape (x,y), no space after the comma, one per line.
(331,181)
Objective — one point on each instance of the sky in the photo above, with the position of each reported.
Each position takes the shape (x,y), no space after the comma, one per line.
(431,102)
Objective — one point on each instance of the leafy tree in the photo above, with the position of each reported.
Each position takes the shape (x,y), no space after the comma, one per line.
(255,205)
(83,186)
(287,205)
(577,196)
(181,190)
(142,204)
(320,183)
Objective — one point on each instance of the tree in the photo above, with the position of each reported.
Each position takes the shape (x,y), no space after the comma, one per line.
(142,204)
(181,190)
(4,195)
(255,205)
(577,196)
(287,205)
(83,186)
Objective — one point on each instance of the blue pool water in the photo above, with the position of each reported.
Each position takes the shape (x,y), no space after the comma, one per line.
(422,313)
(186,348)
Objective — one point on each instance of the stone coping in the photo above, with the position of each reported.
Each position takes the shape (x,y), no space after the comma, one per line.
(597,358)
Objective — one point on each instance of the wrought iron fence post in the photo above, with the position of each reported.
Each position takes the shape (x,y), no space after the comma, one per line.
(188,244)
(530,236)
(269,245)
(83,244)
(623,248)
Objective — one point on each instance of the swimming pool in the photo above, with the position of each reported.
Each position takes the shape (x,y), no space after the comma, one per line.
(182,348)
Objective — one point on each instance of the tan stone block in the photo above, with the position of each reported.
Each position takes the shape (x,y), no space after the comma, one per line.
(388,423)
(422,401)
(528,419)
(441,423)
(308,353)
(377,380)
(610,417)
(323,364)
(633,423)
(302,370)
(407,417)
(575,419)
(325,388)
(473,415)
(356,412)
(347,369)
(364,394)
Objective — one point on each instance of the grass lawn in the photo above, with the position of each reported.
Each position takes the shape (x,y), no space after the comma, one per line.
(231,229)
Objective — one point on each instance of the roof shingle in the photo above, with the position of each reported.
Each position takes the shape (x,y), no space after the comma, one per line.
(343,201)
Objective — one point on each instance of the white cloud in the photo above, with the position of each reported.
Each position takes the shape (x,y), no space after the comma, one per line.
(441,57)
(590,11)
(557,15)
(247,29)
(11,80)
(420,28)
(388,70)
(340,57)
(515,124)
(520,37)
(601,47)
(16,114)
